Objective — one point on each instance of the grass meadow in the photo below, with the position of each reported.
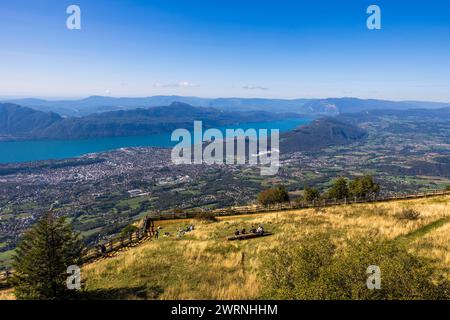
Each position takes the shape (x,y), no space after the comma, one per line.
(204,265)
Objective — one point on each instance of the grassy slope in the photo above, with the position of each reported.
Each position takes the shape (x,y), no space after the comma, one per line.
(203,265)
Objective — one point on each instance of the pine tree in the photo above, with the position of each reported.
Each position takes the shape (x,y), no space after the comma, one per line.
(282,194)
(339,189)
(310,194)
(363,187)
(41,259)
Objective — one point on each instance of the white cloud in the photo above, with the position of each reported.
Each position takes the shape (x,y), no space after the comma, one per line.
(253,87)
(181,84)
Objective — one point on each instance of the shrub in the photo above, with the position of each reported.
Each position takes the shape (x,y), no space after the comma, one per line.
(447,188)
(272,196)
(408,214)
(316,270)
(206,217)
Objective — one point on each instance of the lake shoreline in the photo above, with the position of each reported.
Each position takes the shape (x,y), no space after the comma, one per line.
(25,151)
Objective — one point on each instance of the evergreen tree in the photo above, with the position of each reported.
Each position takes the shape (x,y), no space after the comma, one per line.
(363,187)
(339,189)
(281,194)
(41,259)
(310,194)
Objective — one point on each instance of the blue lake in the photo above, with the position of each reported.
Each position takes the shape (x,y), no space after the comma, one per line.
(24,151)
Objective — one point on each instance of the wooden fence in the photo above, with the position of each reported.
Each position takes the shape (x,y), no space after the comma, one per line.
(254,209)
(116,244)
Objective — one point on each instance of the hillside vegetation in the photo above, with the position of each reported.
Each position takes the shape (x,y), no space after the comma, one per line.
(202,264)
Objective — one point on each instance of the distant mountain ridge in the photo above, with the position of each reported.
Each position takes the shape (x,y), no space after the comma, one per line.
(321,133)
(23,123)
(329,106)
(17,121)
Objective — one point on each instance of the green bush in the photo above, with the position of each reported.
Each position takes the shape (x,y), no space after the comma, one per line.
(316,270)
(272,196)
(206,217)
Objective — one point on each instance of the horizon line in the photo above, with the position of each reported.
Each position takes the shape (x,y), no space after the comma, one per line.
(7,98)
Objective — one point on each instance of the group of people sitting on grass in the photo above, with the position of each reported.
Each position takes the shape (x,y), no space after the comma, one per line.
(182,231)
(259,231)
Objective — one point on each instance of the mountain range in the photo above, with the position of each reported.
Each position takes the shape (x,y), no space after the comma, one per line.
(23,123)
(329,106)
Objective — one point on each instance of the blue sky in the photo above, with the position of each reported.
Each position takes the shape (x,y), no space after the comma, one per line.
(215,48)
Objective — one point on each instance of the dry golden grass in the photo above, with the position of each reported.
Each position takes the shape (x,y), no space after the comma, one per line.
(203,265)
(7,295)
(436,246)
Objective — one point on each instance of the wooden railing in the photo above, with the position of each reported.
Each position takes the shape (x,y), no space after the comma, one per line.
(253,209)
(113,245)
(116,244)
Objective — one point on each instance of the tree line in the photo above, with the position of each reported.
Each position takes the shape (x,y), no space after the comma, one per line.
(46,251)
(341,188)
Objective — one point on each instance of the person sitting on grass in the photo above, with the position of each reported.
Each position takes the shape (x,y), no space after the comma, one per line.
(243,231)
(253,230)
(237,233)
(260,230)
